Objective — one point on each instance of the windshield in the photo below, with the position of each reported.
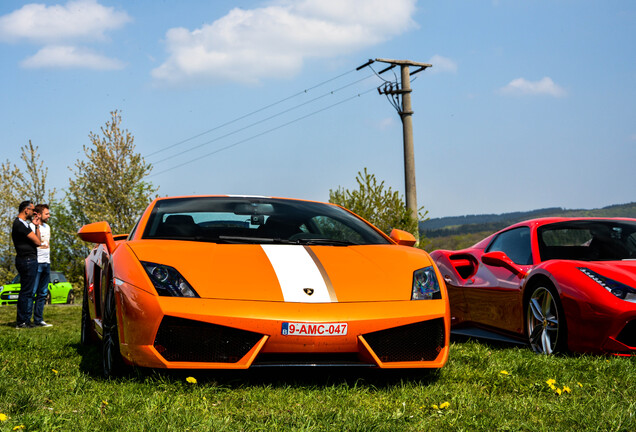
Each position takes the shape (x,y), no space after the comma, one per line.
(588,240)
(257,220)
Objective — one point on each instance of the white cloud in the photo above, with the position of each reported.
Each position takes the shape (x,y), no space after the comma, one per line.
(386,123)
(274,41)
(66,57)
(442,64)
(545,86)
(77,20)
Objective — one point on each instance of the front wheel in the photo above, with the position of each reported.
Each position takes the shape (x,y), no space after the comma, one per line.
(112,361)
(545,321)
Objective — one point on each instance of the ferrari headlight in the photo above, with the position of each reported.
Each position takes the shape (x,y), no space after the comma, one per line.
(168,281)
(620,290)
(425,285)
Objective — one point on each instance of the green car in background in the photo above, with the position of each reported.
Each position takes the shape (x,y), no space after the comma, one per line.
(60,290)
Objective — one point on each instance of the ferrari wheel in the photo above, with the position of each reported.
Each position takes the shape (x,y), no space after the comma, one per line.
(86,333)
(112,362)
(545,321)
(48,298)
(70,299)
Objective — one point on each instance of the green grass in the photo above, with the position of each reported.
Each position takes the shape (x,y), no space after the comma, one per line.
(48,382)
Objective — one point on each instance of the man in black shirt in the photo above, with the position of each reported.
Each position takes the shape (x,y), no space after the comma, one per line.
(26,259)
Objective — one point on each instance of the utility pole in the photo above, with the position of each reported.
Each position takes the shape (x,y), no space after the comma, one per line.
(400,97)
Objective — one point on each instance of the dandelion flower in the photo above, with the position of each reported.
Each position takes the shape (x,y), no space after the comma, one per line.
(567,389)
(3,417)
(434,407)
(503,372)
(551,382)
(19,427)
(104,402)
(559,391)
(580,385)
(444,405)
(191,380)
(54,371)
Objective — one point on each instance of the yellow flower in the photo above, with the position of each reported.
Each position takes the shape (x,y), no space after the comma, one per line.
(551,382)
(104,402)
(444,405)
(567,389)
(3,417)
(503,372)
(191,380)
(558,391)
(54,371)
(18,427)
(434,407)
(580,385)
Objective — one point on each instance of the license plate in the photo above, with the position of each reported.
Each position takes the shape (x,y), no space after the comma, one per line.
(13,296)
(312,329)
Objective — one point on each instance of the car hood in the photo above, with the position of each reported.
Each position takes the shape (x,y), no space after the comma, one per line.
(291,273)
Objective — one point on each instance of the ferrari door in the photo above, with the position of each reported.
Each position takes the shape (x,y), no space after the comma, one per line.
(494,296)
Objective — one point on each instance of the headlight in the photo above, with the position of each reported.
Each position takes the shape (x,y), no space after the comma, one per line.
(620,290)
(425,285)
(168,281)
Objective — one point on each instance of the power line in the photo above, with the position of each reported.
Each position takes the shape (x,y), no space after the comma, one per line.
(329,93)
(263,133)
(250,114)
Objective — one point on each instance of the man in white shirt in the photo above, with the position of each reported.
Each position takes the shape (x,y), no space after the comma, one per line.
(43,277)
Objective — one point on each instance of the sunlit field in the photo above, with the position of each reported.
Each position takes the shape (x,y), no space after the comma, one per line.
(48,382)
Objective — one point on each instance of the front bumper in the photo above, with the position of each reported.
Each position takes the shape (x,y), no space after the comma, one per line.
(185,333)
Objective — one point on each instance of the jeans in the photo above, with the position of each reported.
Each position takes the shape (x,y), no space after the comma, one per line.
(40,291)
(28,270)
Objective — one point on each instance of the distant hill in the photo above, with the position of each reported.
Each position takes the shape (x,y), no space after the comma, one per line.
(460,225)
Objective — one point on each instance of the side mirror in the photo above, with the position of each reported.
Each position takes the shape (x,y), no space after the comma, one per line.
(402,238)
(500,259)
(56,281)
(98,232)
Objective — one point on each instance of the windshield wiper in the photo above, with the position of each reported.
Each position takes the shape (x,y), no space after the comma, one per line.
(323,241)
(244,239)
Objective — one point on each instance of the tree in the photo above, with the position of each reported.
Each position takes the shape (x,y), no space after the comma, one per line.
(17,185)
(383,208)
(108,185)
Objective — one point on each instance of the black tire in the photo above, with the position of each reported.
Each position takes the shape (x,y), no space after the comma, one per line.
(112,362)
(545,320)
(48,298)
(87,337)
(70,298)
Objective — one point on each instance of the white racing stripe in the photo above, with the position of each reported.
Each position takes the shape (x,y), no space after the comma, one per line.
(296,270)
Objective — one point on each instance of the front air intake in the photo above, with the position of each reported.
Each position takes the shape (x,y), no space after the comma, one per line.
(627,336)
(183,340)
(416,342)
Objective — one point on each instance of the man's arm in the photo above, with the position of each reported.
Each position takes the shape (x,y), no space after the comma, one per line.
(35,236)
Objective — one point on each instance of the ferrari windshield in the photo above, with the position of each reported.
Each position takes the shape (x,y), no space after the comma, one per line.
(588,240)
(257,220)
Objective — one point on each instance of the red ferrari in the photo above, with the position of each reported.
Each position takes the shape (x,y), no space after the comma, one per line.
(559,284)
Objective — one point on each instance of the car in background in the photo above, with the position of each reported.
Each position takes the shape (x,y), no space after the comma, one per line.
(60,290)
(557,284)
(238,282)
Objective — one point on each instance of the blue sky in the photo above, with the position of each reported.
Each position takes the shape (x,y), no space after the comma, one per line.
(529,104)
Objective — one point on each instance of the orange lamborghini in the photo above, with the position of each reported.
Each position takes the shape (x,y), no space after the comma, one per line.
(237,282)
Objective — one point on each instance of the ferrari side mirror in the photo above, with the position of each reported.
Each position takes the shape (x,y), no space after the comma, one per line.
(500,259)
